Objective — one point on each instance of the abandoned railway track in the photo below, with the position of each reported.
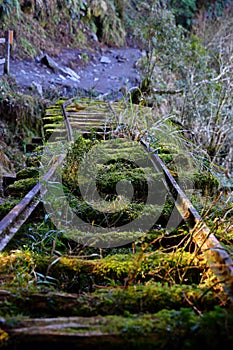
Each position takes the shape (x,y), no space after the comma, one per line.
(106,121)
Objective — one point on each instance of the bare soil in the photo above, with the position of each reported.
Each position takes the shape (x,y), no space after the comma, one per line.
(102,71)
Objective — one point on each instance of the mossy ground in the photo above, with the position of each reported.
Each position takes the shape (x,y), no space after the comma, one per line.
(140,314)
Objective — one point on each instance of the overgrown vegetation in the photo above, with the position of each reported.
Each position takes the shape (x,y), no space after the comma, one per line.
(76,22)
(190,78)
(157,289)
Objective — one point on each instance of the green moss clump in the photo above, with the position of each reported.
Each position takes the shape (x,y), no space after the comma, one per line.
(33,161)
(6,207)
(22,112)
(168,329)
(206,182)
(120,269)
(137,299)
(21,187)
(171,329)
(31,172)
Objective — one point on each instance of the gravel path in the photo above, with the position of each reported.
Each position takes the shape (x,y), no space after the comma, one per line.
(107,71)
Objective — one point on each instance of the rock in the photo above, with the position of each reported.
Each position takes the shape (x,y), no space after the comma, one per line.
(94,37)
(70,72)
(143,53)
(60,77)
(105,59)
(2,320)
(112,77)
(50,63)
(6,167)
(37,59)
(121,59)
(38,87)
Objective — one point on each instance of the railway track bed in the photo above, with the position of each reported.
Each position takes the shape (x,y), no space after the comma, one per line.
(139,267)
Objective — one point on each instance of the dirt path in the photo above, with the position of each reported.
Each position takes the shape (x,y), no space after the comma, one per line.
(107,71)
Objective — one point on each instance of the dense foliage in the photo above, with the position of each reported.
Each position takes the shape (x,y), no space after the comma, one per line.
(190,77)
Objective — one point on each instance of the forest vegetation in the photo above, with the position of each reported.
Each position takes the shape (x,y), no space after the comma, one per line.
(158,291)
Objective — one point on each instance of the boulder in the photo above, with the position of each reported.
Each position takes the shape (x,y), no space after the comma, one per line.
(105,59)
(68,72)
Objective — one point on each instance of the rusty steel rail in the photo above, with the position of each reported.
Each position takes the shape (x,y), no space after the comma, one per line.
(217,256)
(66,120)
(12,222)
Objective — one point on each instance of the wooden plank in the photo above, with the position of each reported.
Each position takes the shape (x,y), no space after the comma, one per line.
(83,120)
(11,36)
(74,333)
(7,53)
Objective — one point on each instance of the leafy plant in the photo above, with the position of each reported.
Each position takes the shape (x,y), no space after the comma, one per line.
(9,6)
(191,80)
(184,11)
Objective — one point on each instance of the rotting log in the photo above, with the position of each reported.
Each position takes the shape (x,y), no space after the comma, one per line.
(168,329)
(60,332)
(111,301)
(76,333)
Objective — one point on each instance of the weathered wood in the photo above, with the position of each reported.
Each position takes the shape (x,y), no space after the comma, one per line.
(134,332)
(74,332)
(150,299)
(82,120)
(7,53)
(87,114)
(11,37)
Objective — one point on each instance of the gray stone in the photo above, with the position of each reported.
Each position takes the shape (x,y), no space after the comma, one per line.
(70,73)
(121,59)
(105,59)
(50,63)
(38,87)
(94,37)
